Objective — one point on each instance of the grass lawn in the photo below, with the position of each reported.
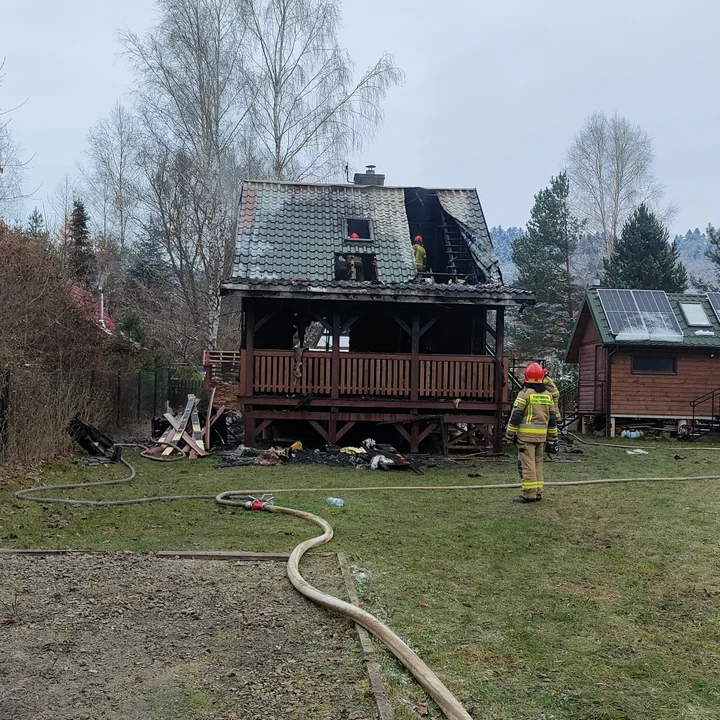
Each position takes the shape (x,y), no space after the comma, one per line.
(600,603)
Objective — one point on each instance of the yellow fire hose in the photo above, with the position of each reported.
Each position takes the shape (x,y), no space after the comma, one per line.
(447,702)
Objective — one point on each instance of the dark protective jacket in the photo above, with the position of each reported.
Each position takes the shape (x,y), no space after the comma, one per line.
(533,418)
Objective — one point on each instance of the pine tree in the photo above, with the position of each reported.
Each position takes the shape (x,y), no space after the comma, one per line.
(80,253)
(36,226)
(131,326)
(147,262)
(543,257)
(713,252)
(644,259)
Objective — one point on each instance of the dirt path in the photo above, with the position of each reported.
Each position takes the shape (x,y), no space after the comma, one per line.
(131,637)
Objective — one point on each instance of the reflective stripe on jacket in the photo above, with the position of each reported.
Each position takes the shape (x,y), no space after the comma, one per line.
(533,417)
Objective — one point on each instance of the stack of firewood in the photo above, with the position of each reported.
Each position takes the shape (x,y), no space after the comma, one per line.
(184,434)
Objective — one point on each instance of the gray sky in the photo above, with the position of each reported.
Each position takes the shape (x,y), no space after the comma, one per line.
(495,91)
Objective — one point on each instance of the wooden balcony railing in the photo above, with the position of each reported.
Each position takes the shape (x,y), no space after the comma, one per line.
(285,372)
(453,376)
(221,366)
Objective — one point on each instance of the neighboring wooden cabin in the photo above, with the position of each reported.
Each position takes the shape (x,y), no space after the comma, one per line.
(647,355)
(344,338)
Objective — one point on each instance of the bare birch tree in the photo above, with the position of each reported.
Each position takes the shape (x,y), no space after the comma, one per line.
(309,113)
(192,103)
(227,89)
(60,204)
(11,166)
(610,165)
(112,176)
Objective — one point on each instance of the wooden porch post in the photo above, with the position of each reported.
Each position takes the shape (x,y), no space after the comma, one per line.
(499,368)
(415,437)
(334,377)
(483,331)
(335,357)
(415,358)
(249,422)
(249,353)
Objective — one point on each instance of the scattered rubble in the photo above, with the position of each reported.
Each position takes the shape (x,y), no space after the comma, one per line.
(89,438)
(369,456)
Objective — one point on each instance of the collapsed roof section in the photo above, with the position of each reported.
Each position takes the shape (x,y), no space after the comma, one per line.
(464,207)
(305,232)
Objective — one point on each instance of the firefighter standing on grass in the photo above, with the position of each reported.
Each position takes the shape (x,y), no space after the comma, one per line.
(533,422)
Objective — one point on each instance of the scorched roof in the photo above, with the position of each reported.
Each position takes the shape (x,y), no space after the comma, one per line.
(292,231)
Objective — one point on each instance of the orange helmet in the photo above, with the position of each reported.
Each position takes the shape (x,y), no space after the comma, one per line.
(354,236)
(534,373)
(418,239)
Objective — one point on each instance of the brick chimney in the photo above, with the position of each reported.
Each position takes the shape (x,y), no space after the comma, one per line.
(369,177)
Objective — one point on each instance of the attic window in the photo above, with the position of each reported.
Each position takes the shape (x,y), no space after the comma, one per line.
(358,229)
(355,266)
(695,315)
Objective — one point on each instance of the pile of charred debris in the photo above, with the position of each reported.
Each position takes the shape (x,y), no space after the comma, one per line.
(189,432)
(194,434)
(367,456)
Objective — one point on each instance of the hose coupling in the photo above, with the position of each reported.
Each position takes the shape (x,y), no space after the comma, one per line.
(259,503)
(256,504)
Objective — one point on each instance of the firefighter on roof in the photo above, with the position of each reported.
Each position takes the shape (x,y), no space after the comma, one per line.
(532,423)
(420,253)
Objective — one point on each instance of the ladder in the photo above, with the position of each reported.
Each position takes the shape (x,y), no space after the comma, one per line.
(460,262)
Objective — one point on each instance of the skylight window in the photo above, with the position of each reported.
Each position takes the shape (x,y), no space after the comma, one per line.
(358,229)
(695,315)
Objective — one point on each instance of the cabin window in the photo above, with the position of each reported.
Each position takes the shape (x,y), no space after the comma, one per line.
(355,266)
(651,365)
(358,229)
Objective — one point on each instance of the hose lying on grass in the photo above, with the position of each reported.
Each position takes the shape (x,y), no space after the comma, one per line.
(418,669)
(685,447)
(447,702)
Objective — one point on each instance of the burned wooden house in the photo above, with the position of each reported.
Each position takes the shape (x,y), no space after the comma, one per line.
(340,329)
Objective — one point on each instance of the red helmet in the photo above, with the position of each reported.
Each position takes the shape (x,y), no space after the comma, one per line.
(418,239)
(534,373)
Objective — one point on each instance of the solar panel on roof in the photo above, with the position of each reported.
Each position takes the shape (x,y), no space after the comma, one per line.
(622,313)
(658,315)
(714,299)
(635,315)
